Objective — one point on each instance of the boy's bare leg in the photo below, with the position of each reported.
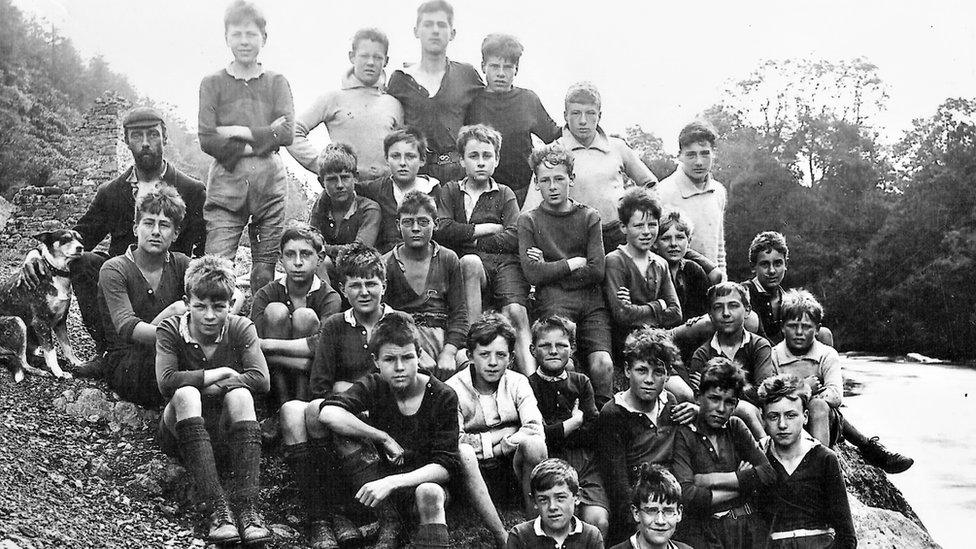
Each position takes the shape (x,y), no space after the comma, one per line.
(431,500)
(749,414)
(819,424)
(682,392)
(474,277)
(825,336)
(292,416)
(530,452)
(304,322)
(519,317)
(597,516)
(477,492)
(600,370)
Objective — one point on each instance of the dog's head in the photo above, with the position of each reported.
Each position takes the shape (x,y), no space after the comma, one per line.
(61,246)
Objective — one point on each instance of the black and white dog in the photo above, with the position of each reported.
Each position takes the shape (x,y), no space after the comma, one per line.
(33,318)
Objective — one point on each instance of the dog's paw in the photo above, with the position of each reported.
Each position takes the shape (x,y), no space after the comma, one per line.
(18,376)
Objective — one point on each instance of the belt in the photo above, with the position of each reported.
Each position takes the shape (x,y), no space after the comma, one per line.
(447,158)
(742,511)
(801,533)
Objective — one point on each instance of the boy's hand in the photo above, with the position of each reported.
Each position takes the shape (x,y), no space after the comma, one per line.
(33,269)
(280,121)
(623,294)
(373,493)
(575,420)
(535,254)
(684,413)
(576,263)
(393,451)
(744,465)
(484,229)
(447,363)
(234,132)
(813,382)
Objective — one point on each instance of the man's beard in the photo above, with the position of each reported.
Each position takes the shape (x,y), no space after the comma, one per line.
(148,161)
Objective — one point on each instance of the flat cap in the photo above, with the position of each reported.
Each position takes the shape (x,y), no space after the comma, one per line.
(141,117)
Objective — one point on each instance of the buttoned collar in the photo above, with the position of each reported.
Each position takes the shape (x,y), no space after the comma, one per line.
(783,355)
(132,248)
(746,336)
(552,379)
(185,330)
(600,141)
(653,414)
(233,74)
(687,187)
(350,318)
(492,186)
(353,208)
(283,280)
(576,528)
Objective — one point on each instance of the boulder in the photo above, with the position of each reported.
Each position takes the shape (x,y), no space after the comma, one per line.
(91,404)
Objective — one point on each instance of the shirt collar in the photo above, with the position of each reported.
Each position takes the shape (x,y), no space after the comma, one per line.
(783,354)
(133,178)
(688,188)
(718,348)
(351,319)
(492,185)
(576,528)
(230,71)
(350,81)
(759,287)
(132,258)
(283,280)
(600,142)
(662,401)
(396,253)
(185,330)
(552,379)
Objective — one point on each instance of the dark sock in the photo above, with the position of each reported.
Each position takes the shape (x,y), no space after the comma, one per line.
(305,474)
(434,536)
(852,435)
(198,458)
(244,440)
(328,484)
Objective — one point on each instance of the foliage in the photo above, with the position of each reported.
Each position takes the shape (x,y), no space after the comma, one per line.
(650,149)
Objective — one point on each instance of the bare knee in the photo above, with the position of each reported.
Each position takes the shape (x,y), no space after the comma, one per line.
(304,322)
(430,498)
(825,336)
(597,516)
(533,450)
(517,314)
(313,425)
(239,404)
(471,266)
(185,397)
(600,365)
(292,416)
(468,456)
(276,315)
(818,408)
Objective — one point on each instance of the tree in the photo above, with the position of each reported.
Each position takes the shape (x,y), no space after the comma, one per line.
(650,149)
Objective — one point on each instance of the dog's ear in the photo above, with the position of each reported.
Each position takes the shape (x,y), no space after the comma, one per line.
(47,237)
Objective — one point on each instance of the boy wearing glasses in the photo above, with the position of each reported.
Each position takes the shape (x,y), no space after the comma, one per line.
(656,506)
(423,279)
(692,188)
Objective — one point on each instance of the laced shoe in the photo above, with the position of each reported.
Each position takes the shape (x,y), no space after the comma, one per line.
(253,529)
(346,532)
(876,454)
(322,536)
(223,527)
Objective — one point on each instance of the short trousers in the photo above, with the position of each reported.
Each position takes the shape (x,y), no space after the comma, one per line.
(506,281)
(591,491)
(131,373)
(747,531)
(431,344)
(253,195)
(499,475)
(445,173)
(586,308)
(213,419)
(820,541)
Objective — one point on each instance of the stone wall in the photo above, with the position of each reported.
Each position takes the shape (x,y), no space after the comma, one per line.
(97,155)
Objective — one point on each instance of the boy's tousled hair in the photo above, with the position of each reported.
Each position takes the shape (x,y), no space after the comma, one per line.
(337,158)
(724,374)
(210,277)
(240,12)
(655,483)
(551,155)
(651,345)
(408,134)
(723,289)
(480,133)
(358,260)
(788,386)
(766,242)
(583,92)
(554,322)
(638,199)
(553,472)
(416,200)
(395,328)
(697,132)
(501,45)
(166,201)
(299,230)
(487,328)
(431,6)
(373,35)
(672,216)
(798,302)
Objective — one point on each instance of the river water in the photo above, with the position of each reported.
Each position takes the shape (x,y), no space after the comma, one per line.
(926,411)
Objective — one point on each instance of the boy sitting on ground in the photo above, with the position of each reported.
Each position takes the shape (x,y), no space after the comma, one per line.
(501,427)
(477,219)
(818,366)
(569,413)
(561,251)
(209,365)
(690,281)
(340,214)
(656,507)
(638,425)
(137,291)
(716,487)
(405,450)
(728,307)
(555,491)
(406,153)
(517,113)
(424,280)
(807,505)
(292,307)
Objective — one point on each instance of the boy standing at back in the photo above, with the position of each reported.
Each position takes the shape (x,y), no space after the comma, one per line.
(246,114)
(477,219)
(517,113)
(436,92)
(692,188)
(209,365)
(561,250)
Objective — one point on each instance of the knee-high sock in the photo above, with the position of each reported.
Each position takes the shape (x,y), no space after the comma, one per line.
(198,458)
(431,536)
(245,474)
(328,483)
(298,458)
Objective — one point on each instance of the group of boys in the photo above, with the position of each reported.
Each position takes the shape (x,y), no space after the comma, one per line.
(397,386)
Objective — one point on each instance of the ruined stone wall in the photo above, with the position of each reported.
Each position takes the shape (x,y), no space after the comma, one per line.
(97,155)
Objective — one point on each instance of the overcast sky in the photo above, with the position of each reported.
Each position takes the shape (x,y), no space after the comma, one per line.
(657,64)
